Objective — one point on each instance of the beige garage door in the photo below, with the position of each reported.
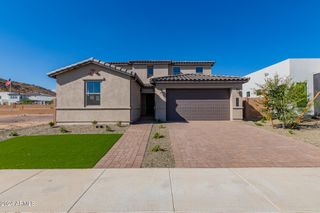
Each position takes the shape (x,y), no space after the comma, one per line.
(198,104)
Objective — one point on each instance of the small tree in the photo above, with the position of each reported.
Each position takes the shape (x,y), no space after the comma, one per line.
(283,99)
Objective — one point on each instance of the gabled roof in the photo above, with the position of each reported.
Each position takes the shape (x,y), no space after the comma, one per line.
(56,72)
(112,67)
(196,77)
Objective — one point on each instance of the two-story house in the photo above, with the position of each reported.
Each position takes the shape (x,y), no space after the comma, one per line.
(93,90)
(9,98)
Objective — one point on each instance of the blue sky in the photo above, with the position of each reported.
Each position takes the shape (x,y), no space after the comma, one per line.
(241,36)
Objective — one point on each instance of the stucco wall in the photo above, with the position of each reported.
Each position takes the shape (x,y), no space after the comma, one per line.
(191,69)
(163,70)
(115,96)
(160,97)
(135,101)
(299,70)
(236,111)
(258,77)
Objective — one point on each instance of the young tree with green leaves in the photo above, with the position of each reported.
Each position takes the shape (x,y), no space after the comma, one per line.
(283,99)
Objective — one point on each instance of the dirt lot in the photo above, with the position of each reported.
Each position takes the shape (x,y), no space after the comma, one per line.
(26,109)
(163,158)
(308,132)
(11,122)
(45,129)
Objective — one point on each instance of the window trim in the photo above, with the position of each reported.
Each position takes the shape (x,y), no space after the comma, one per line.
(86,92)
(199,68)
(150,75)
(173,73)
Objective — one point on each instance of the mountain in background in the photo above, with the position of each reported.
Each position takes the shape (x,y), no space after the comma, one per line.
(25,88)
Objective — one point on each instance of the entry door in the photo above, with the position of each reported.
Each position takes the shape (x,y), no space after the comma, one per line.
(150,104)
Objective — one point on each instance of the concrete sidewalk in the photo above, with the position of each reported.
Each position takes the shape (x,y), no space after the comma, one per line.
(161,190)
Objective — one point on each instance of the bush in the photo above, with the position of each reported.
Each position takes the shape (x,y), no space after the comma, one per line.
(51,124)
(291,132)
(283,99)
(162,126)
(26,101)
(119,124)
(13,133)
(156,148)
(157,135)
(258,124)
(109,129)
(94,123)
(63,130)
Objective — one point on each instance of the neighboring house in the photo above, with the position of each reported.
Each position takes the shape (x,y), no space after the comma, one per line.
(93,90)
(299,70)
(38,98)
(9,98)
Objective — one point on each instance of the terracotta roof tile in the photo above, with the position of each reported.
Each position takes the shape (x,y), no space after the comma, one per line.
(198,78)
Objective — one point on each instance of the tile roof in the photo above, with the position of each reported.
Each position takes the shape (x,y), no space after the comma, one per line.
(169,62)
(56,72)
(198,78)
(130,73)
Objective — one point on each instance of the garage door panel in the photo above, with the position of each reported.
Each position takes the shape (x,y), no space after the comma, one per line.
(208,104)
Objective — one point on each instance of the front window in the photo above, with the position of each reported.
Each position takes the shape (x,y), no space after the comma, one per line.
(149,72)
(248,94)
(92,93)
(176,71)
(199,70)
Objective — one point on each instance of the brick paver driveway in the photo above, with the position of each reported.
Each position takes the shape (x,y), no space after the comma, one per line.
(235,144)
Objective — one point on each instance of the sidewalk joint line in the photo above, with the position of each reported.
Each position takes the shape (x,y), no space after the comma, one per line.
(258,190)
(172,199)
(27,178)
(85,191)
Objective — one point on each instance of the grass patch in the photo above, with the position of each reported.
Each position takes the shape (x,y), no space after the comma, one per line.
(55,151)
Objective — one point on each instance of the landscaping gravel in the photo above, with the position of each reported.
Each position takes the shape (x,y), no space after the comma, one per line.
(71,129)
(163,158)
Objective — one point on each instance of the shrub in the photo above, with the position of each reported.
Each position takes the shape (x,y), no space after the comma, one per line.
(94,122)
(109,129)
(291,132)
(63,130)
(157,135)
(156,148)
(283,99)
(51,124)
(13,133)
(119,124)
(162,126)
(258,124)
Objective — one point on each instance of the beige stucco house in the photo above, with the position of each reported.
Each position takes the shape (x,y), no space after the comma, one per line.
(93,90)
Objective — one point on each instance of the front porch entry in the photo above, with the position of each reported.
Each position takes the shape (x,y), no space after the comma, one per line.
(147,105)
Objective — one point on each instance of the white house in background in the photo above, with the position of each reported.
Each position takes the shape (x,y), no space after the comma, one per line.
(9,98)
(299,70)
(39,98)
(15,98)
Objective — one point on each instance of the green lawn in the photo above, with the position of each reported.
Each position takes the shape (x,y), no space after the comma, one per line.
(55,151)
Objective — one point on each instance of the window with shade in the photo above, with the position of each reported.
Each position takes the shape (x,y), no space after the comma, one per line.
(176,70)
(93,93)
(199,70)
(149,71)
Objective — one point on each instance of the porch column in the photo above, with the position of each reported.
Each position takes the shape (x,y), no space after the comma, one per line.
(160,104)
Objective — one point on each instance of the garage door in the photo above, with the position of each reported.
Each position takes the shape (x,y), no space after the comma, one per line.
(198,104)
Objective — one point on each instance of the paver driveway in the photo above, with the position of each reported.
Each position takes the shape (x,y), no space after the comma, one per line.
(235,144)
